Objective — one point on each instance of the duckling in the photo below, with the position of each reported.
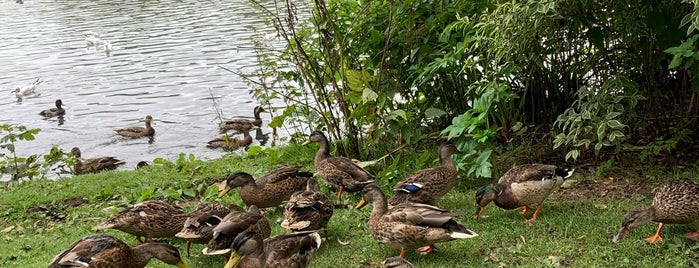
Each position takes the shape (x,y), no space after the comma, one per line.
(269,190)
(53,112)
(233,224)
(427,186)
(150,218)
(93,165)
(138,132)
(231,144)
(199,226)
(240,124)
(338,171)
(308,210)
(522,186)
(675,203)
(288,250)
(27,91)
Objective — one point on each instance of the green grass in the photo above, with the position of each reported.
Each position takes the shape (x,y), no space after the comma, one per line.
(571,231)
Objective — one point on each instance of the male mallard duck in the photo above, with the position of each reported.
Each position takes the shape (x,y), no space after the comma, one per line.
(427,186)
(522,186)
(108,251)
(240,124)
(338,171)
(396,262)
(93,165)
(26,91)
(287,250)
(150,218)
(233,224)
(231,144)
(138,132)
(52,112)
(675,203)
(410,225)
(199,226)
(308,210)
(269,190)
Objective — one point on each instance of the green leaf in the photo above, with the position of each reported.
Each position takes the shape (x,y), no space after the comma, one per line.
(573,154)
(434,112)
(615,124)
(369,95)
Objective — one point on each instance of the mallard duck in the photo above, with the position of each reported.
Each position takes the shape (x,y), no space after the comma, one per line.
(307,210)
(522,186)
(233,224)
(150,218)
(240,124)
(340,172)
(93,165)
(295,250)
(675,203)
(269,190)
(199,226)
(410,225)
(53,112)
(396,262)
(108,251)
(27,91)
(427,186)
(138,132)
(231,144)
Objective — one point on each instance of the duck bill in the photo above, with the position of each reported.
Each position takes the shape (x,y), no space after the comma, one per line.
(361,203)
(620,235)
(306,142)
(232,260)
(181,265)
(223,188)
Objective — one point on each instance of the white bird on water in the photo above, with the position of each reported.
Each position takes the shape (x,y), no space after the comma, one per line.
(26,91)
(92,39)
(107,47)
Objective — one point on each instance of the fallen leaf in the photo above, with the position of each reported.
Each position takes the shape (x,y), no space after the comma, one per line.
(8,229)
(600,206)
(493,257)
(523,240)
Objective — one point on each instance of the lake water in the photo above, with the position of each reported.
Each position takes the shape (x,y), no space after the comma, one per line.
(164,62)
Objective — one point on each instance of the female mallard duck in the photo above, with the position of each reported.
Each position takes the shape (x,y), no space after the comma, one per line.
(675,203)
(53,112)
(522,186)
(410,225)
(269,190)
(199,226)
(396,262)
(108,251)
(295,250)
(231,144)
(93,165)
(240,124)
(427,186)
(338,171)
(233,224)
(150,218)
(307,210)
(138,132)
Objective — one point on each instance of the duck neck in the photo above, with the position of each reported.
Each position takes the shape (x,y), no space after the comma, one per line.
(445,159)
(323,151)
(380,206)
(143,253)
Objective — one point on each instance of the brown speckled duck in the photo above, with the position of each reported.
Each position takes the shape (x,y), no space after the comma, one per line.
(241,124)
(295,250)
(233,224)
(53,112)
(522,186)
(307,210)
(108,251)
(410,225)
(150,218)
(269,190)
(340,172)
(93,165)
(675,203)
(199,226)
(138,132)
(230,143)
(427,186)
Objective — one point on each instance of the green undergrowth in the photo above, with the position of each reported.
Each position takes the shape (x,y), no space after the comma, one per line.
(41,218)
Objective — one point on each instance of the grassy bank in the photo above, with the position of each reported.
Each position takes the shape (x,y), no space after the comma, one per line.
(41,218)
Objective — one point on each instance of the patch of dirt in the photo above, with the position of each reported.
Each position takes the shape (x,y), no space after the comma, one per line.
(54,210)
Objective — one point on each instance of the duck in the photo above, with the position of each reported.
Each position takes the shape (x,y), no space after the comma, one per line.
(53,112)
(410,225)
(27,91)
(428,185)
(138,132)
(231,144)
(270,190)
(287,250)
(677,202)
(150,219)
(522,186)
(92,39)
(233,224)
(199,226)
(107,251)
(340,172)
(396,262)
(308,210)
(93,165)
(240,124)
(107,47)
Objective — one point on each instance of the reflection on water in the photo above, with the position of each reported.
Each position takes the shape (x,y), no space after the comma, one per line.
(153,57)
